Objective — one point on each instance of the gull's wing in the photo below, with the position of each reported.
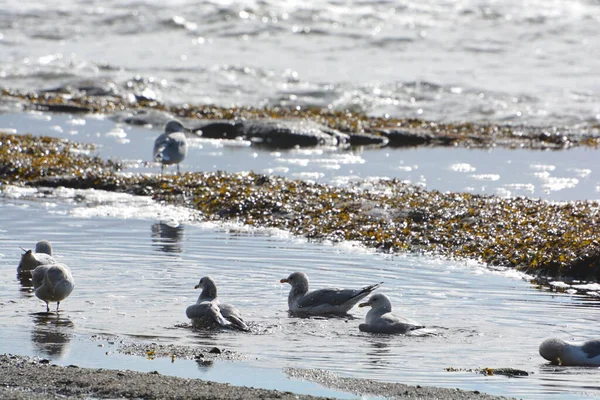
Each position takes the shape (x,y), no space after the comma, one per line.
(335,297)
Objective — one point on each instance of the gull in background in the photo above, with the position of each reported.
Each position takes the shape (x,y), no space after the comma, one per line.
(171,146)
(30,260)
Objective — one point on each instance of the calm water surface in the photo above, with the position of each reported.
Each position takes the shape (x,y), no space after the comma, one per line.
(135,269)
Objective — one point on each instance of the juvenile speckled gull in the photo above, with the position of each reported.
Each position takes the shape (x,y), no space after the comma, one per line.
(322,301)
(209,313)
(381,319)
(30,260)
(52,283)
(566,353)
(229,311)
(171,146)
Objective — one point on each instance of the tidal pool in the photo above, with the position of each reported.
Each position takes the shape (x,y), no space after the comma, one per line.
(135,264)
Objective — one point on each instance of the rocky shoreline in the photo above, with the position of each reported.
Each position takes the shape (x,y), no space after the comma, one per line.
(299,126)
(34,378)
(540,238)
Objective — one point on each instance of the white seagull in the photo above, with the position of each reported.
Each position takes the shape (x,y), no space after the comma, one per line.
(30,260)
(171,146)
(322,301)
(381,319)
(566,353)
(52,283)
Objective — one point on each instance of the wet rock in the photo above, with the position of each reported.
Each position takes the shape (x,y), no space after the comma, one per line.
(406,138)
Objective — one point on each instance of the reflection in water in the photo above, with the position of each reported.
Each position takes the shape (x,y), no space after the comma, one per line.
(379,349)
(25,281)
(203,364)
(51,334)
(167,236)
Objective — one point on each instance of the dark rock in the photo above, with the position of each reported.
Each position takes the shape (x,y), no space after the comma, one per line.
(406,137)
(220,130)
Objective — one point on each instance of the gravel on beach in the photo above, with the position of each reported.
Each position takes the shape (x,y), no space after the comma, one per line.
(33,378)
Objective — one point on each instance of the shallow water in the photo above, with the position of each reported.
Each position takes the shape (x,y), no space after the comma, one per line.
(552,175)
(508,61)
(135,276)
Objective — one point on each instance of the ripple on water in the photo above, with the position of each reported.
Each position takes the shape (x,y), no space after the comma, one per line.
(135,274)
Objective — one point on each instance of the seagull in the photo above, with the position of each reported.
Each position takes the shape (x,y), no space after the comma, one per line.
(52,283)
(206,314)
(565,353)
(228,311)
(322,301)
(171,146)
(381,319)
(30,260)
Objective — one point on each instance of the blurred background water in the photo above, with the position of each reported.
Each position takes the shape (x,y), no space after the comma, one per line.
(533,62)
(135,263)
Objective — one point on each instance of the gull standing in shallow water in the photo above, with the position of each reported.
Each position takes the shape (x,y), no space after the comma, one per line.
(322,301)
(565,353)
(30,260)
(208,312)
(52,283)
(381,319)
(171,146)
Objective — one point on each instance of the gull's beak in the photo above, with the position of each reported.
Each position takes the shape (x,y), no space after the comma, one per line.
(197,286)
(23,249)
(284,280)
(365,304)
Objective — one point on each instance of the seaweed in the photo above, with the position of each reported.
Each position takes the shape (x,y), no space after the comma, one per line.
(534,236)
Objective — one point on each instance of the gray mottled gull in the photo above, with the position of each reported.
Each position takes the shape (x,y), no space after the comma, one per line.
(30,260)
(566,353)
(209,311)
(322,301)
(52,283)
(381,319)
(171,146)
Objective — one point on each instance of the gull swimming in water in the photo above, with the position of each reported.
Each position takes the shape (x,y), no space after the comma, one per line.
(171,146)
(566,353)
(322,301)
(52,283)
(381,319)
(209,313)
(30,260)
(228,311)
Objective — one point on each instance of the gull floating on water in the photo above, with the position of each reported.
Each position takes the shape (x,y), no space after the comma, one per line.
(381,319)
(322,301)
(565,353)
(208,312)
(52,283)
(229,311)
(171,146)
(30,260)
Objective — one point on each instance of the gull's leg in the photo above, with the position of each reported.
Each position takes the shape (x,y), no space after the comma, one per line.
(47,307)
(57,304)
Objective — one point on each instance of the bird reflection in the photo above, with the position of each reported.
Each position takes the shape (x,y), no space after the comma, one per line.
(51,334)
(379,352)
(167,236)
(25,281)
(203,364)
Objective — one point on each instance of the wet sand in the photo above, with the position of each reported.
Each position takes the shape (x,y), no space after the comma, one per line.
(33,378)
